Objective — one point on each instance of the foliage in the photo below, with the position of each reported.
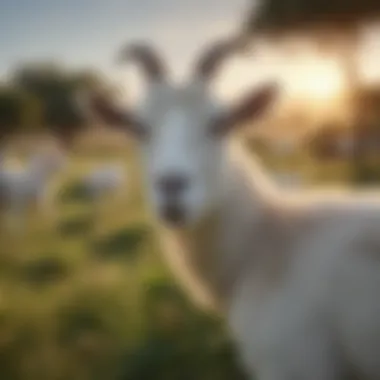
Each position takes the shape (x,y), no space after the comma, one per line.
(18,110)
(180,341)
(76,226)
(298,15)
(122,243)
(43,95)
(75,192)
(44,271)
(334,25)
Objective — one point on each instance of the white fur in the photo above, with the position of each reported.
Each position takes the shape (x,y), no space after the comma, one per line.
(298,279)
(24,186)
(297,276)
(288,179)
(177,142)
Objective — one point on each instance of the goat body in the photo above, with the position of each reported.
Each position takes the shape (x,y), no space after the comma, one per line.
(288,180)
(28,186)
(298,278)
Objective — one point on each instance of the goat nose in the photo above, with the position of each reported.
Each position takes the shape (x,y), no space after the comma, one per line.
(173,184)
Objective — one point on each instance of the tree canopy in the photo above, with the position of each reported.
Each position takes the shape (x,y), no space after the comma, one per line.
(42,96)
(279,16)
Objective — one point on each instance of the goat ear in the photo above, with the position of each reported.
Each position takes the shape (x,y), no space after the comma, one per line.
(250,108)
(98,108)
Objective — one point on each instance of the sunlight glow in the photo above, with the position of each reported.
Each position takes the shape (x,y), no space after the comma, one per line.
(314,79)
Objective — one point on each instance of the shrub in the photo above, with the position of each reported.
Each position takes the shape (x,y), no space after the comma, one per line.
(122,243)
(75,226)
(44,271)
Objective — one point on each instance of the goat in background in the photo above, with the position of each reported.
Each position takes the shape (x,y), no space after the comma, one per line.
(29,186)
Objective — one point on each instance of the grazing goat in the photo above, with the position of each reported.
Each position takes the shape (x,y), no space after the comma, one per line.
(103,180)
(297,277)
(23,188)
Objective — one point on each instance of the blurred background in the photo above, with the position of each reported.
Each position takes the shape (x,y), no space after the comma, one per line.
(83,291)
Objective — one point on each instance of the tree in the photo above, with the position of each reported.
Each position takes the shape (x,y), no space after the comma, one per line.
(55,87)
(18,111)
(42,95)
(333,24)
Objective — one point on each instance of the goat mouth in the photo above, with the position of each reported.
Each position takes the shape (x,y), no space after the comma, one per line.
(173,215)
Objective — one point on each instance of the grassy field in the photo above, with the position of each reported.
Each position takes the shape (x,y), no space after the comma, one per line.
(84,294)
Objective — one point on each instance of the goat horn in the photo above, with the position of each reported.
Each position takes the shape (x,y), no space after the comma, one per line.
(152,64)
(215,54)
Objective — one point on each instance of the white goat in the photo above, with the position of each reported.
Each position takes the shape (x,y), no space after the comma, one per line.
(22,188)
(297,278)
(288,180)
(104,180)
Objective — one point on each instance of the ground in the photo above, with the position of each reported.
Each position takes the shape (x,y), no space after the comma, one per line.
(84,294)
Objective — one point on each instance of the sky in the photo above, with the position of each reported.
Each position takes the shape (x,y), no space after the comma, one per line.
(88,33)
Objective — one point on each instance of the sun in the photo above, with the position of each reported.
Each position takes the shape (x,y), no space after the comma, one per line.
(314,79)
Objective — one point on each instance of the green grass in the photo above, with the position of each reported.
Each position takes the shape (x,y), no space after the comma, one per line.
(85,295)
(125,242)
